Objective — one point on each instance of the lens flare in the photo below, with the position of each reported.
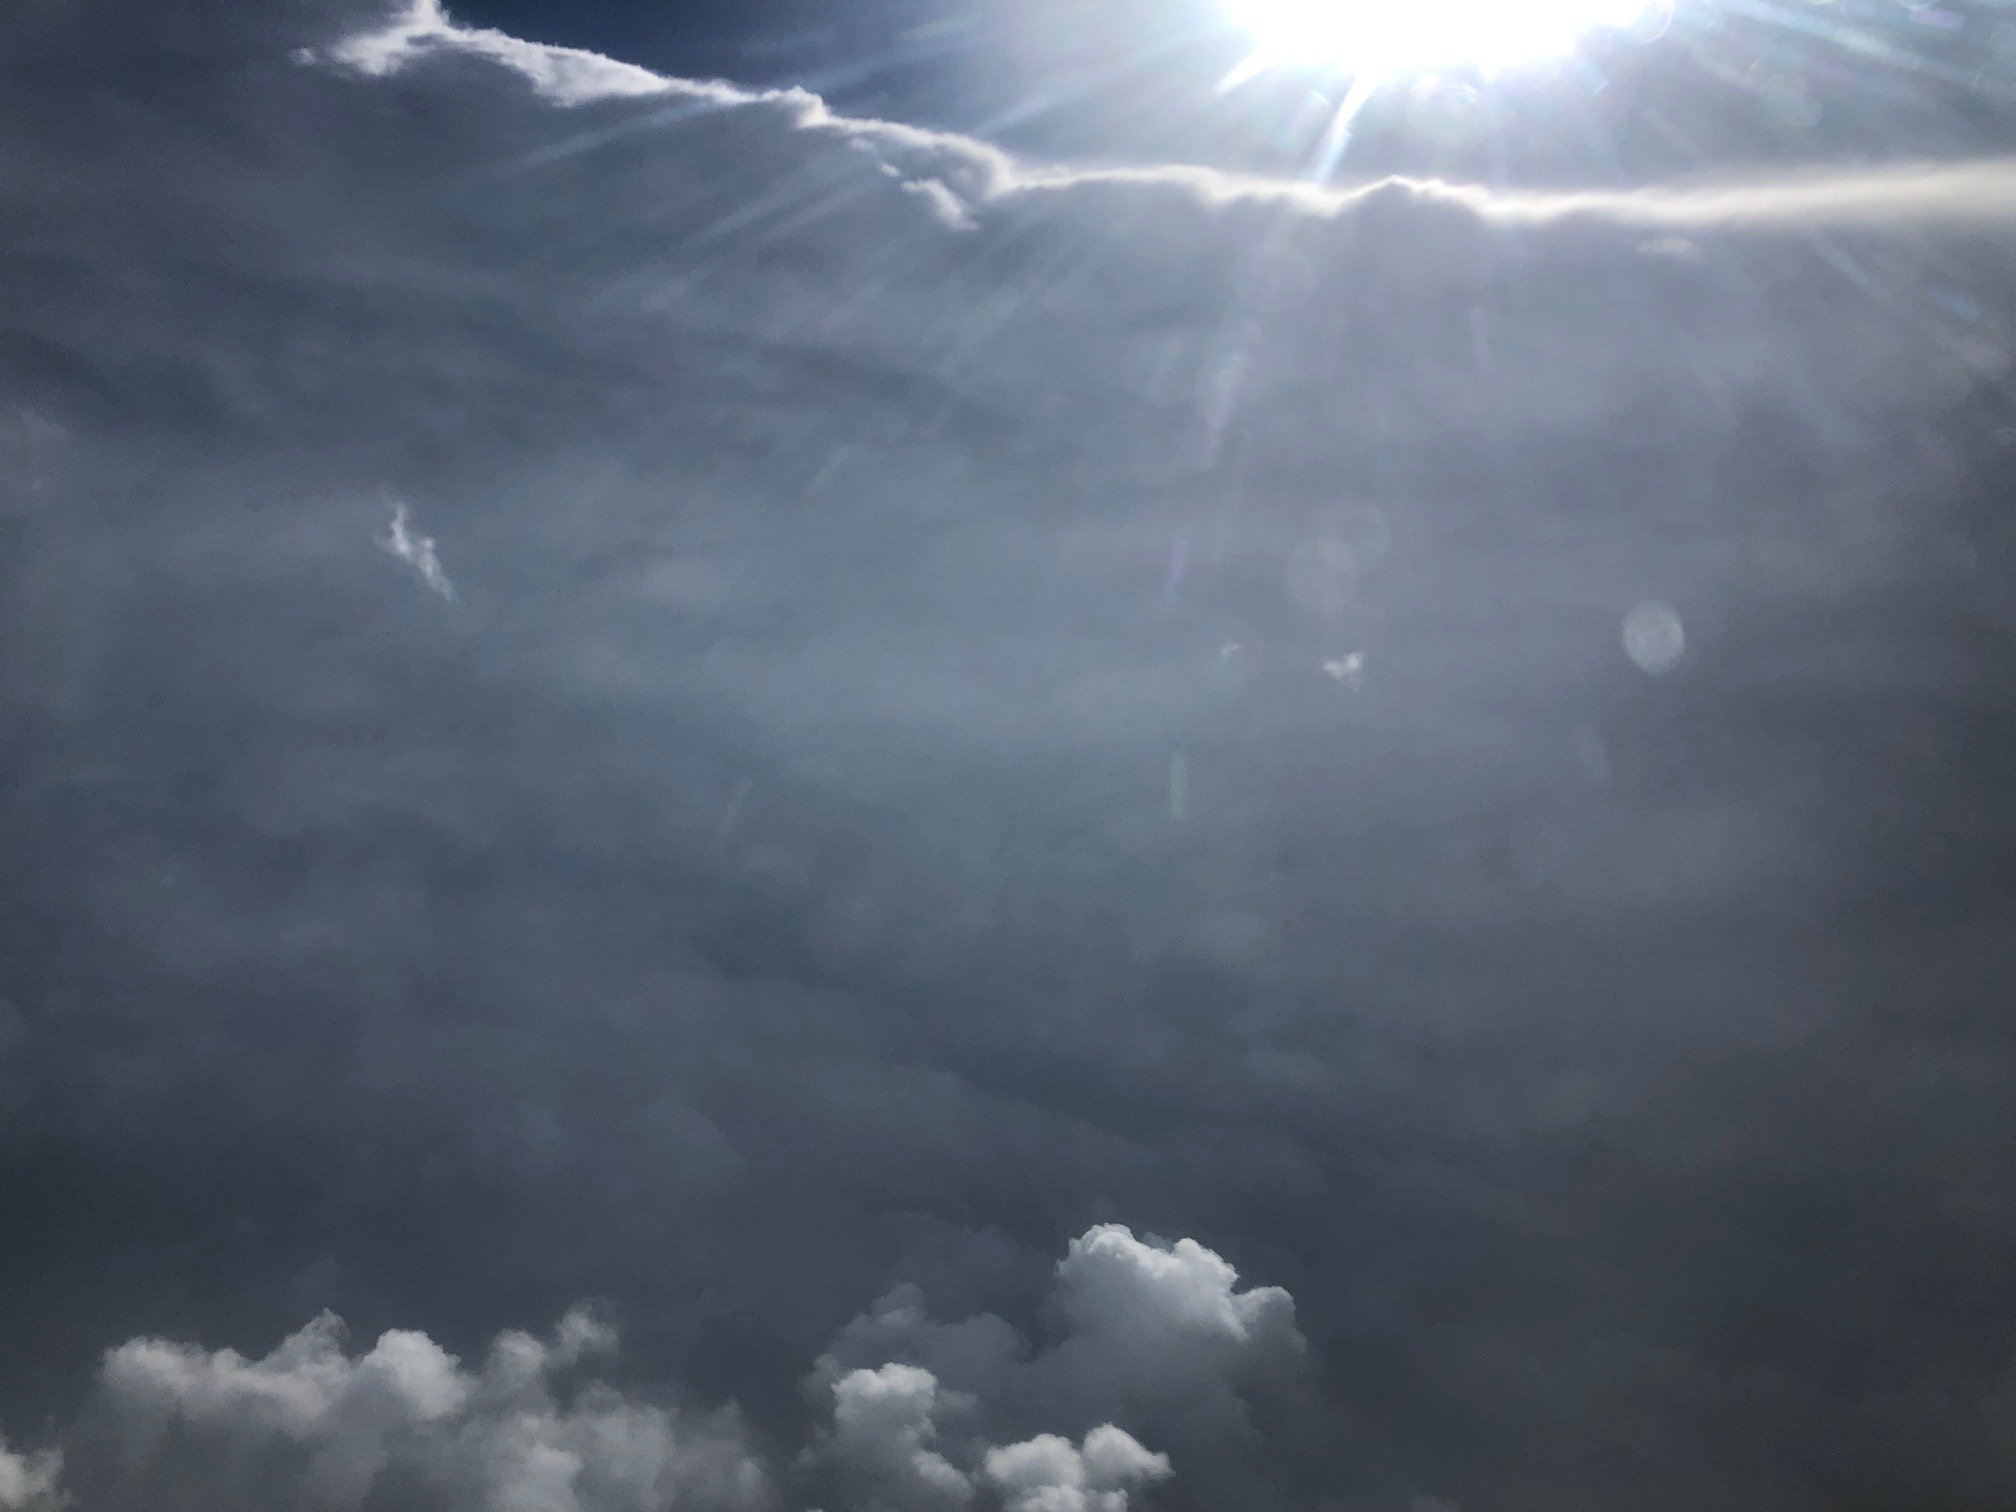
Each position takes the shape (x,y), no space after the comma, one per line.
(1380,37)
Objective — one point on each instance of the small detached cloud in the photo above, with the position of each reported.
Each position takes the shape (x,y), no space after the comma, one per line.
(416,551)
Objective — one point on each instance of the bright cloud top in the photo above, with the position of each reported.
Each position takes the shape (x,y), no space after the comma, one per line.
(564,75)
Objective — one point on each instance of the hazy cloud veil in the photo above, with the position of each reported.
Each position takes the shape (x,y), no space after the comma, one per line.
(636,702)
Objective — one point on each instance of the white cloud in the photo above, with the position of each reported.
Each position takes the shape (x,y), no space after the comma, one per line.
(313,1426)
(417,551)
(1165,1332)
(946,205)
(1113,1285)
(1050,1474)
(884,1424)
(316,1426)
(944,169)
(1157,1339)
(1979,193)
(883,1446)
(564,75)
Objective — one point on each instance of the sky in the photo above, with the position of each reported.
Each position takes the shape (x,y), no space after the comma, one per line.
(1690,86)
(753,763)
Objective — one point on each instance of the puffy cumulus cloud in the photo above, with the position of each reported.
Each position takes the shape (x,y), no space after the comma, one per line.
(402,1424)
(1151,1338)
(1112,1284)
(880,1454)
(1166,1326)
(316,1426)
(884,1423)
(28,1481)
(1050,1474)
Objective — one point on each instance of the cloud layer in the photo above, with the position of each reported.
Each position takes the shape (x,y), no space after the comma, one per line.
(980,702)
(314,1426)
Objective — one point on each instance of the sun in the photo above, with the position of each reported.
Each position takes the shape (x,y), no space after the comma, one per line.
(1371,38)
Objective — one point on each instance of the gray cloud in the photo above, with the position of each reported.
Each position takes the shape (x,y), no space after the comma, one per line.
(1050,1474)
(314,1424)
(882,1447)
(1155,1338)
(404,1423)
(28,1481)
(765,887)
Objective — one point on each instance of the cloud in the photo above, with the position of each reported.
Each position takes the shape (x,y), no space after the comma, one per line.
(765,893)
(885,1421)
(1158,1339)
(28,1481)
(316,1426)
(402,1424)
(1050,1474)
(416,551)
(1163,1321)
(1979,193)
(883,1427)
(564,75)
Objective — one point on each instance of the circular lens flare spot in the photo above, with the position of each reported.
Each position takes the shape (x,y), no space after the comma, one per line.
(1654,638)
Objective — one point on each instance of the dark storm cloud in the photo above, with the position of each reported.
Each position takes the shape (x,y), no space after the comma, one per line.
(651,692)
